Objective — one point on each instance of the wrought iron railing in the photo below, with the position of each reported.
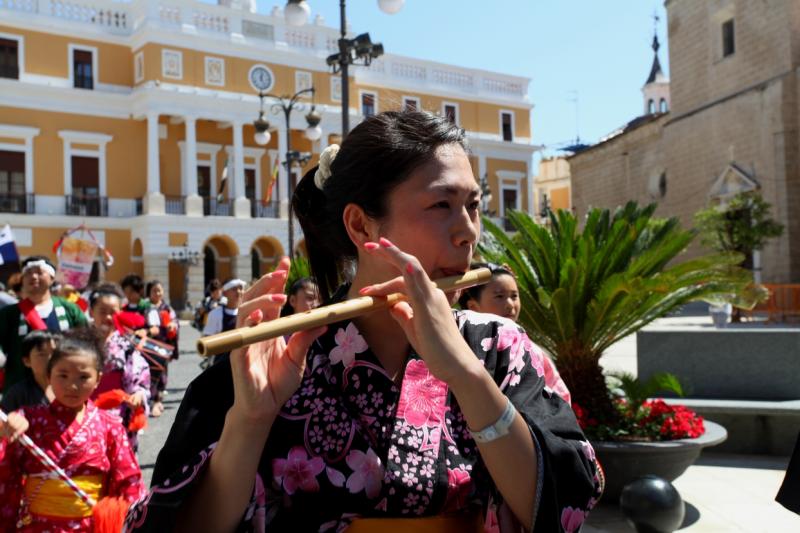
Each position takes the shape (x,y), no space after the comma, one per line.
(262,209)
(175,205)
(218,208)
(87,206)
(17,203)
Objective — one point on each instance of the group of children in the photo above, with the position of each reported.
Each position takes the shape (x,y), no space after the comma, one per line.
(86,394)
(54,407)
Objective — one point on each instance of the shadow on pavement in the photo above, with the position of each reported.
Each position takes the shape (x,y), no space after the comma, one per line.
(725,460)
(692,515)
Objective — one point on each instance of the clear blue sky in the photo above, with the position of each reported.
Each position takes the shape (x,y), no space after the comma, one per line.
(601,49)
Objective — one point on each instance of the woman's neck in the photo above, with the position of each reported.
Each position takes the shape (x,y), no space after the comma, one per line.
(383,334)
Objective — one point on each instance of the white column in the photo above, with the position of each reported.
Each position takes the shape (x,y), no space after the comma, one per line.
(238,161)
(191,156)
(530,181)
(29,165)
(241,205)
(283,176)
(153,177)
(194,204)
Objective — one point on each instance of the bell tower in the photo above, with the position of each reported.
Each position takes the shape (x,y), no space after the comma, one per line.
(656,88)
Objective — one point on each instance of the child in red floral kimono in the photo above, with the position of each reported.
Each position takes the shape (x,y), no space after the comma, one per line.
(89,444)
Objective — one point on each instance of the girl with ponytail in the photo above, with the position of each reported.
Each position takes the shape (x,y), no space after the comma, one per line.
(418,417)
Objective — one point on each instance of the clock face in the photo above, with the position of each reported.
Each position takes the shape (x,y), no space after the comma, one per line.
(261,78)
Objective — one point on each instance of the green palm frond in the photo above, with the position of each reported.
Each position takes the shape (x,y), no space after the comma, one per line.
(584,289)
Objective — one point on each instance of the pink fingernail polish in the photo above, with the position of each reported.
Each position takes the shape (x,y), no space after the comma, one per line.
(363,290)
(255,316)
(371,245)
(409,268)
(386,243)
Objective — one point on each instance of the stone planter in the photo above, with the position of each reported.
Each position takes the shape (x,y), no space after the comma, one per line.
(624,461)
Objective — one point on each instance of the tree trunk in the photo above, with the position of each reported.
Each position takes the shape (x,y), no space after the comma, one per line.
(587,385)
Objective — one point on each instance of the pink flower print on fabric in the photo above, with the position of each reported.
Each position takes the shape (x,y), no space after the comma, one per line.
(459,487)
(571,519)
(367,473)
(298,471)
(552,379)
(509,336)
(423,403)
(491,524)
(349,342)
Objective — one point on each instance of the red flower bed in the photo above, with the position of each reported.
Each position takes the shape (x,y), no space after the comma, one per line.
(649,421)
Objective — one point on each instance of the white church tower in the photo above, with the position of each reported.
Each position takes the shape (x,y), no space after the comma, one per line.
(656,88)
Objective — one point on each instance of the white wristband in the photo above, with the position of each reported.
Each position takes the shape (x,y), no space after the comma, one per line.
(499,428)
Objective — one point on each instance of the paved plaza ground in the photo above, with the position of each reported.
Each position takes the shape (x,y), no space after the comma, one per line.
(723,493)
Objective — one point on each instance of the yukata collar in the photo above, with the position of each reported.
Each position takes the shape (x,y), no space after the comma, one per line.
(62,412)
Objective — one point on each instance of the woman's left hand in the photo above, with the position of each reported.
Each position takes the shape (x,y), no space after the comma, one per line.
(426,316)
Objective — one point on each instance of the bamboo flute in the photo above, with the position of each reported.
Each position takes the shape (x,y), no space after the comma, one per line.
(321,316)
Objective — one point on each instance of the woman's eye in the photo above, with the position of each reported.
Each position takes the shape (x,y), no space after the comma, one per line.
(441,205)
(474,206)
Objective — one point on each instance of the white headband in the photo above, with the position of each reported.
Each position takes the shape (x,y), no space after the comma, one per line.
(232,284)
(42,265)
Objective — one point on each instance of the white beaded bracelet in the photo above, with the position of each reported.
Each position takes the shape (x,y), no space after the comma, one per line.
(499,428)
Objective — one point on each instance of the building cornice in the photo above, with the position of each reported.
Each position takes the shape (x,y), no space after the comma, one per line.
(220,30)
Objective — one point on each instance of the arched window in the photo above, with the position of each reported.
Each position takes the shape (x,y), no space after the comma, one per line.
(651,106)
(662,106)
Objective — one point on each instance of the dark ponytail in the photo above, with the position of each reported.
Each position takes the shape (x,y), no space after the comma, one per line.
(376,156)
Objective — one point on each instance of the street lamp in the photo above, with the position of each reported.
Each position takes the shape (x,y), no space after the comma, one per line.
(186,258)
(358,51)
(313,132)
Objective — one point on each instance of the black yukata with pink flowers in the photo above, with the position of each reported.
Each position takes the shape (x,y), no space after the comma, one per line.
(350,443)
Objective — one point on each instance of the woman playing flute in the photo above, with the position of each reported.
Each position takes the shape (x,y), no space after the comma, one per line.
(419,417)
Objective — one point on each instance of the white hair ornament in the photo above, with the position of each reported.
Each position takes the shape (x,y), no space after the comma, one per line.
(325,160)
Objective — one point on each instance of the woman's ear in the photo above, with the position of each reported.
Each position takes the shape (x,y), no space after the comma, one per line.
(360,227)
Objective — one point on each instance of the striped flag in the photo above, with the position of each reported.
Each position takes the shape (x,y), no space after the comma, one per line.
(223,182)
(8,248)
(273,179)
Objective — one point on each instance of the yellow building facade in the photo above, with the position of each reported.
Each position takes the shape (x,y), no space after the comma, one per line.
(126,116)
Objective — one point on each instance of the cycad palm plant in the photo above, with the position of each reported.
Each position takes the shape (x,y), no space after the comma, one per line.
(583,290)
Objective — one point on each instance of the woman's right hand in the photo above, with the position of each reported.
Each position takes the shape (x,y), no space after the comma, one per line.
(266,374)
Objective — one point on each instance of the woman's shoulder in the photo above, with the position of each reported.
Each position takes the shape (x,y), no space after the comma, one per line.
(473,321)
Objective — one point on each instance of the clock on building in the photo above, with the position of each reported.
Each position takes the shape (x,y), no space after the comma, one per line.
(261,78)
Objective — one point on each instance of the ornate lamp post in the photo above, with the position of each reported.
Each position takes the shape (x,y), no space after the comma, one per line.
(313,132)
(186,258)
(357,51)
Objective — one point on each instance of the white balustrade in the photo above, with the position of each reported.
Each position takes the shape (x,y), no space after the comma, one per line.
(204,20)
(169,14)
(409,70)
(300,38)
(453,78)
(314,39)
(503,87)
(112,17)
(27,6)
